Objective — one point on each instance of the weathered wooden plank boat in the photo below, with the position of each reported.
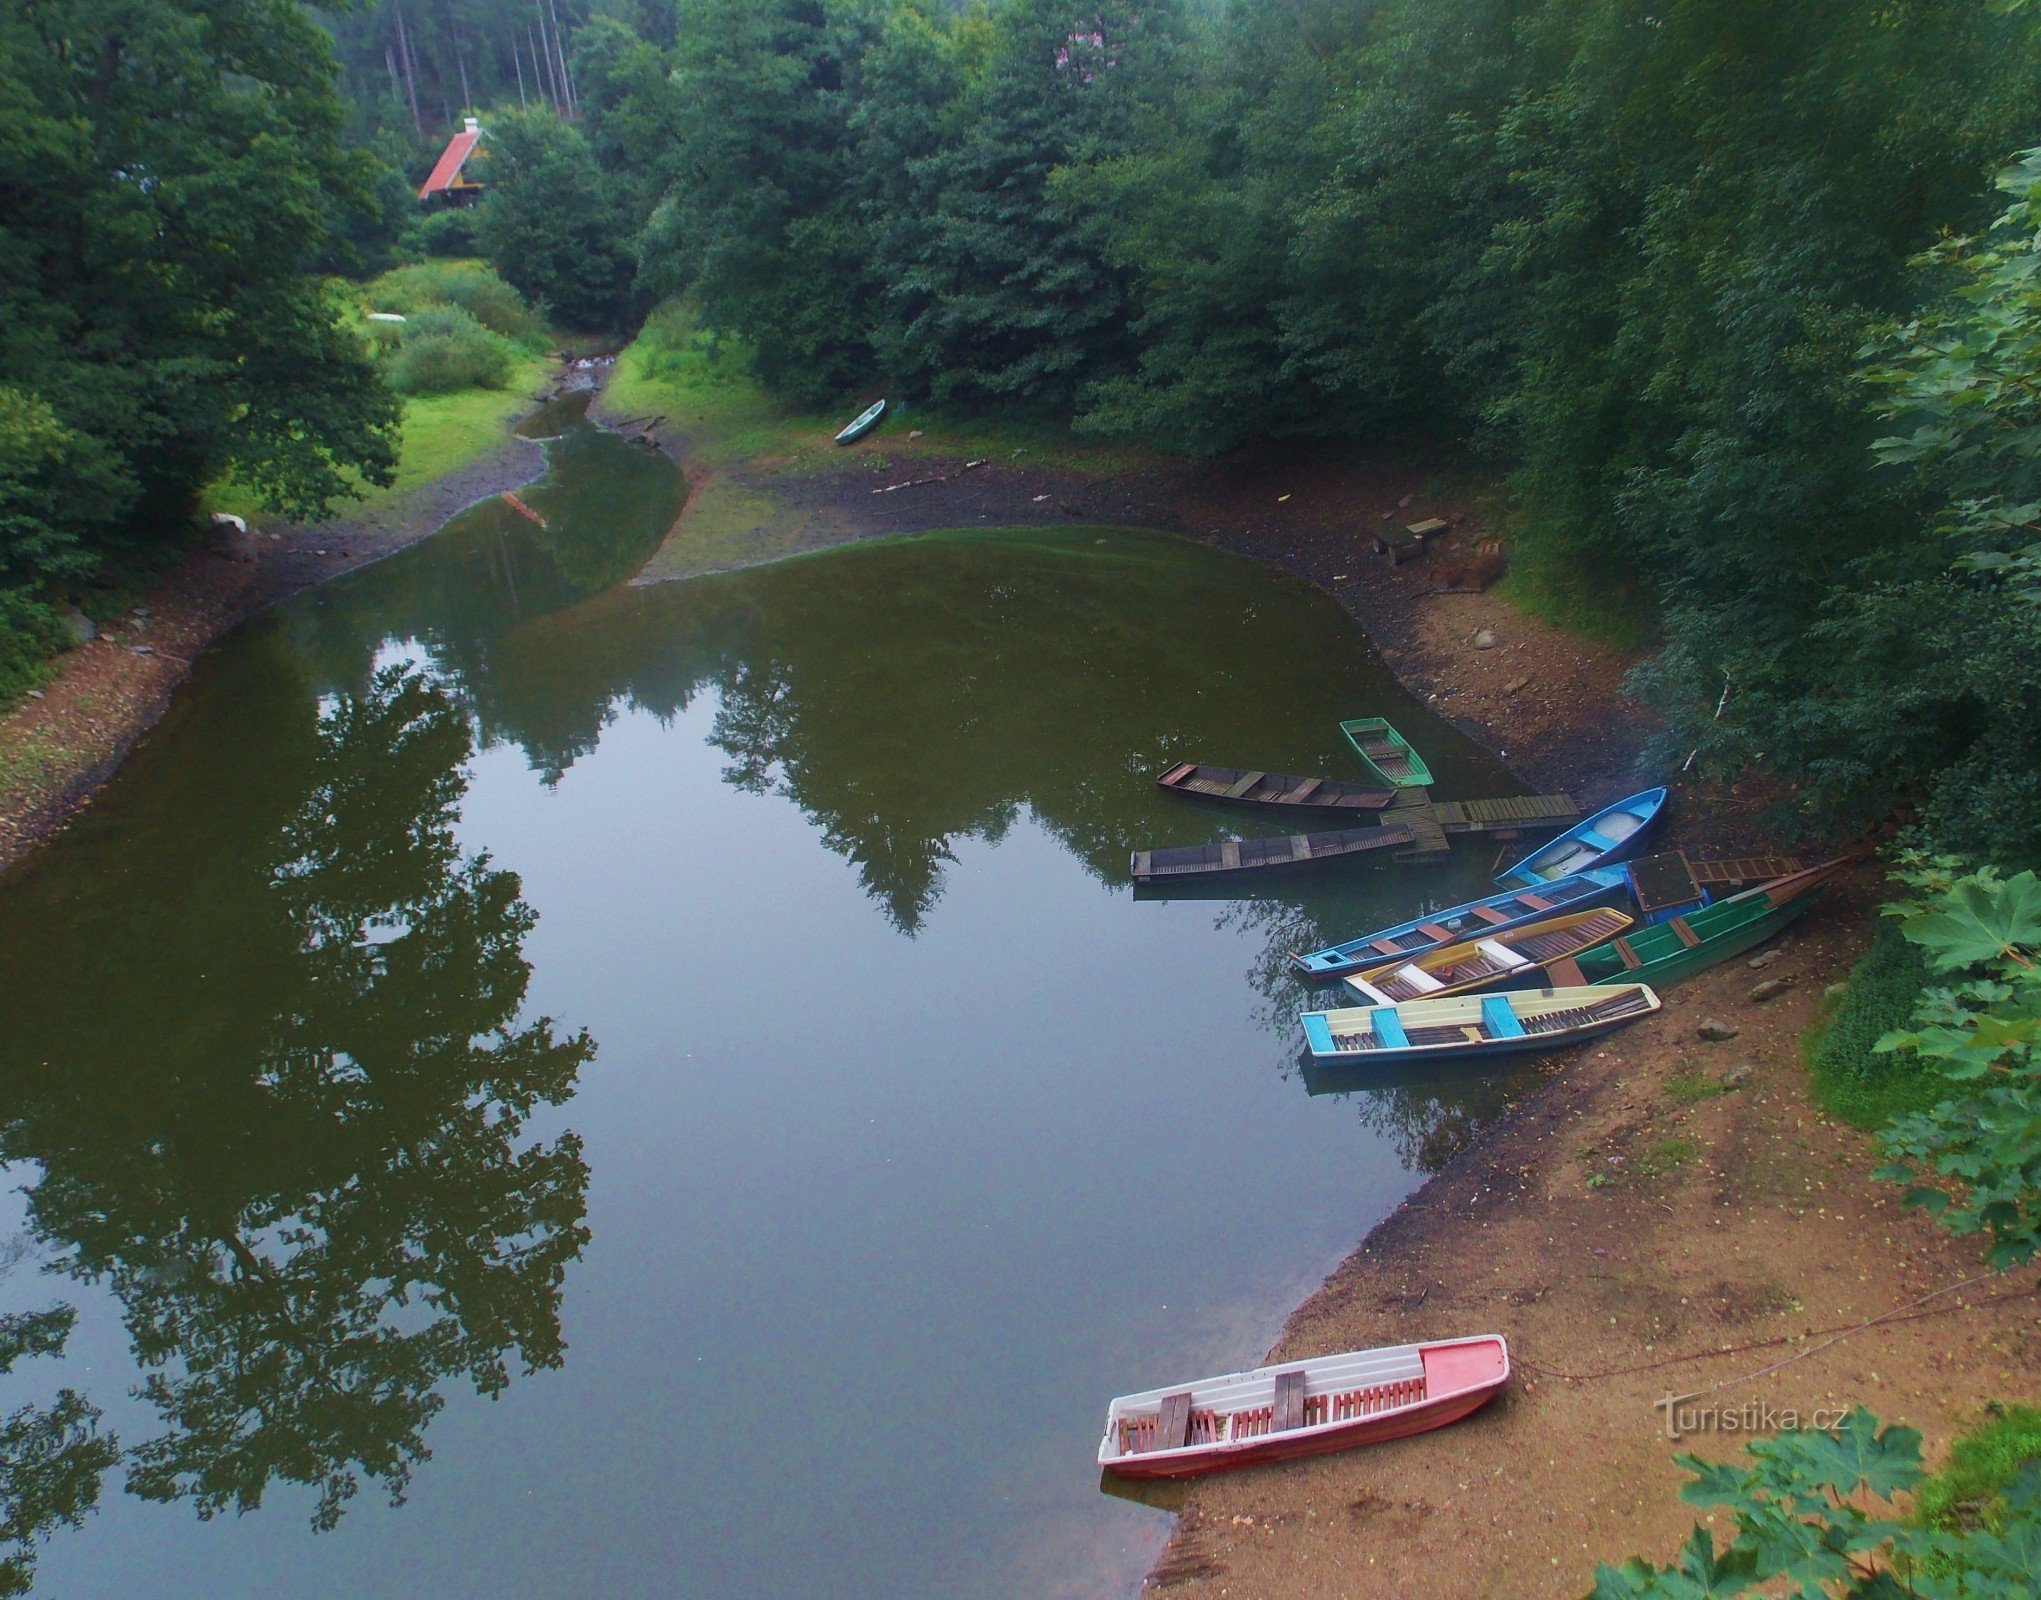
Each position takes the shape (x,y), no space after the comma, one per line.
(1696,940)
(1606,837)
(1472,1026)
(1386,754)
(1233,858)
(863,423)
(1300,1408)
(1519,957)
(1238,787)
(1510,909)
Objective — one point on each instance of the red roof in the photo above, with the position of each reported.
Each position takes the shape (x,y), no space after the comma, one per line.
(446,171)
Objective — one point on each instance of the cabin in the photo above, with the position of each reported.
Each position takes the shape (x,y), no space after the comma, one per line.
(448,184)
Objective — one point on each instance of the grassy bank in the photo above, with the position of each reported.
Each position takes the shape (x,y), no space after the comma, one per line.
(703,387)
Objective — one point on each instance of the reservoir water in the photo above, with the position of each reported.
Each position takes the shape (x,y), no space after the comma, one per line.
(530,1086)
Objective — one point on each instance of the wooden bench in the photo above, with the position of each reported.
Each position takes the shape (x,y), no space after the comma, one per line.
(1685,934)
(1173,1421)
(1289,1402)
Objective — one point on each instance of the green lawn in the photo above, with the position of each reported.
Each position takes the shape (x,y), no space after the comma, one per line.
(441,433)
(702,385)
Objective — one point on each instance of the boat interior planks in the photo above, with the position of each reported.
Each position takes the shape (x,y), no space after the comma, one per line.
(1228,857)
(1261,788)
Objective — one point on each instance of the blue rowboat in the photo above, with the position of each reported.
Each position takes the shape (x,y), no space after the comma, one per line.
(1465,1027)
(1604,839)
(1476,919)
(863,423)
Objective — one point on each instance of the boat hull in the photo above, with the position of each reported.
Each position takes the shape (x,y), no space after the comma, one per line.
(1358,733)
(1485,1050)
(1420,1418)
(1420,1387)
(1649,806)
(1684,963)
(1582,892)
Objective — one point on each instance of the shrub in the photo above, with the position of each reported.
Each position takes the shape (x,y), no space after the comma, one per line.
(467,284)
(1852,1080)
(448,234)
(445,349)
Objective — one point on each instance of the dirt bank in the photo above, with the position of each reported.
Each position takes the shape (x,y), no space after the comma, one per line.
(63,743)
(1668,1215)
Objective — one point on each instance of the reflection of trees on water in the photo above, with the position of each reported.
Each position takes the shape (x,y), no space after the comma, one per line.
(1429,1119)
(309,1186)
(52,1457)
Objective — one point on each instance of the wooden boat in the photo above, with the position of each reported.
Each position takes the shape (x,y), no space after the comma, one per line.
(1668,883)
(1300,1408)
(1471,1026)
(1386,753)
(863,423)
(1272,788)
(1510,909)
(1605,838)
(1518,957)
(1696,940)
(1229,858)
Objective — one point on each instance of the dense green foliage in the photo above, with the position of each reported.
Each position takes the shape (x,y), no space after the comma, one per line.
(1975,1158)
(1852,1078)
(170,173)
(552,226)
(1804,1515)
(443,350)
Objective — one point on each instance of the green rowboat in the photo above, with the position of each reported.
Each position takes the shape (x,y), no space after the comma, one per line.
(1386,753)
(1681,946)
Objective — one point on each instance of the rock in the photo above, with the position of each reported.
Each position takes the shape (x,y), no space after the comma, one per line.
(1770,988)
(1759,963)
(80,629)
(1739,1075)
(35,694)
(230,537)
(1715,1031)
(914,433)
(1484,639)
(143,649)
(1515,685)
(1835,991)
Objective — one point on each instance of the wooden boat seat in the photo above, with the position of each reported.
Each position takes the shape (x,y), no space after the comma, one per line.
(1490,915)
(1622,948)
(1179,772)
(1565,973)
(1685,934)
(1431,930)
(1388,1028)
(1289,1407)
(1245,782)
(1536,902)
(1310,787)
(1497,1020)
(1388,947)
(1173,1421)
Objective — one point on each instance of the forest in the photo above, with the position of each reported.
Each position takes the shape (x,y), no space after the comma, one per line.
(1729,300)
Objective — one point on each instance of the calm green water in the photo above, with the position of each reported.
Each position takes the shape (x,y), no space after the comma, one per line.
(672,1083)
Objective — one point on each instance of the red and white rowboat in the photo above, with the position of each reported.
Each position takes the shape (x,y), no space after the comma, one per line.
(1301,1408)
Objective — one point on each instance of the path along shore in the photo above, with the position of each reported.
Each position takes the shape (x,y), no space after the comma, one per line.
(1664,1215)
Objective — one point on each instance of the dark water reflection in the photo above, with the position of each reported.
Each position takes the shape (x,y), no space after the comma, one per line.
(899,1155)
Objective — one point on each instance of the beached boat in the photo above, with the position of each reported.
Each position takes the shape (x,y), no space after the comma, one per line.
(1238,787)
(1605,838)
(1386,753)
(1472,1026)
(1510,909)
(1300,1408)
(863,423)
(1519,957)
(1695,941)
(1234,858)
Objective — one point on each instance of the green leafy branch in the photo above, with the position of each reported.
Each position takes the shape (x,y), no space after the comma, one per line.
(1974,1161)
(1808,1524)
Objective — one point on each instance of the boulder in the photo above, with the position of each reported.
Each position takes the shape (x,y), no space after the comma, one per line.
(1739,1075)
(80,629)
(1484,639)
(1770,988)
(1715,1031)
(1760,962)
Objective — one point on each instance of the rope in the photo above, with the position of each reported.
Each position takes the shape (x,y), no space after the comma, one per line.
(1839,1332)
